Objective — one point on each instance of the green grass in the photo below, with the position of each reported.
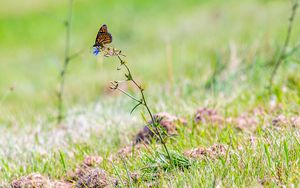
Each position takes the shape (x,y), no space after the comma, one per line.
(238,39)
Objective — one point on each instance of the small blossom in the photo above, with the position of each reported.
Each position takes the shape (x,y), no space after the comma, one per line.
(96,50)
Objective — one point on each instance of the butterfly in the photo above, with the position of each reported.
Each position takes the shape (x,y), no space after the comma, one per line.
(103,37)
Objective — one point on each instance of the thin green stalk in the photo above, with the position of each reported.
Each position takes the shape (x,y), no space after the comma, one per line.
(124,92)
(282,54)
(127,171)
(62,160)
(118,174)
(67,58)
(145,104)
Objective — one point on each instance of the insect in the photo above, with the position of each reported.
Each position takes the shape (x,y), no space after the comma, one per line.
(103,37)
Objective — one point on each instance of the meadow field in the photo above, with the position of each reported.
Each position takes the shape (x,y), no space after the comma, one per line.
(204,67)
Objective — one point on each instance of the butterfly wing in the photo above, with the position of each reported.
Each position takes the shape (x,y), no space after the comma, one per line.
(103,37)
(103,29)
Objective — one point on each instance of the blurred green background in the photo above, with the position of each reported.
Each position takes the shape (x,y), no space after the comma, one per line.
(167,43)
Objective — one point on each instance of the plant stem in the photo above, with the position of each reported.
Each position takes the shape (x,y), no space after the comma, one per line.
(130,96)
(145,104)
(282,54)
(65,65)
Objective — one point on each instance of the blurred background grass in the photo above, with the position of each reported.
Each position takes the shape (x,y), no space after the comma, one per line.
(167,43)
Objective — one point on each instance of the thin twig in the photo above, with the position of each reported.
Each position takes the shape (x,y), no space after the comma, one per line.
(67,59)
(282,54)
(125,93)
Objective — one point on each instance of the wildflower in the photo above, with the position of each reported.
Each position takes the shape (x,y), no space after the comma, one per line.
(96,50)
(110,52)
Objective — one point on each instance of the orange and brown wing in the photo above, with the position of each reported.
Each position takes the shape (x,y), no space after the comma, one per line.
(103,37)
(103,29)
